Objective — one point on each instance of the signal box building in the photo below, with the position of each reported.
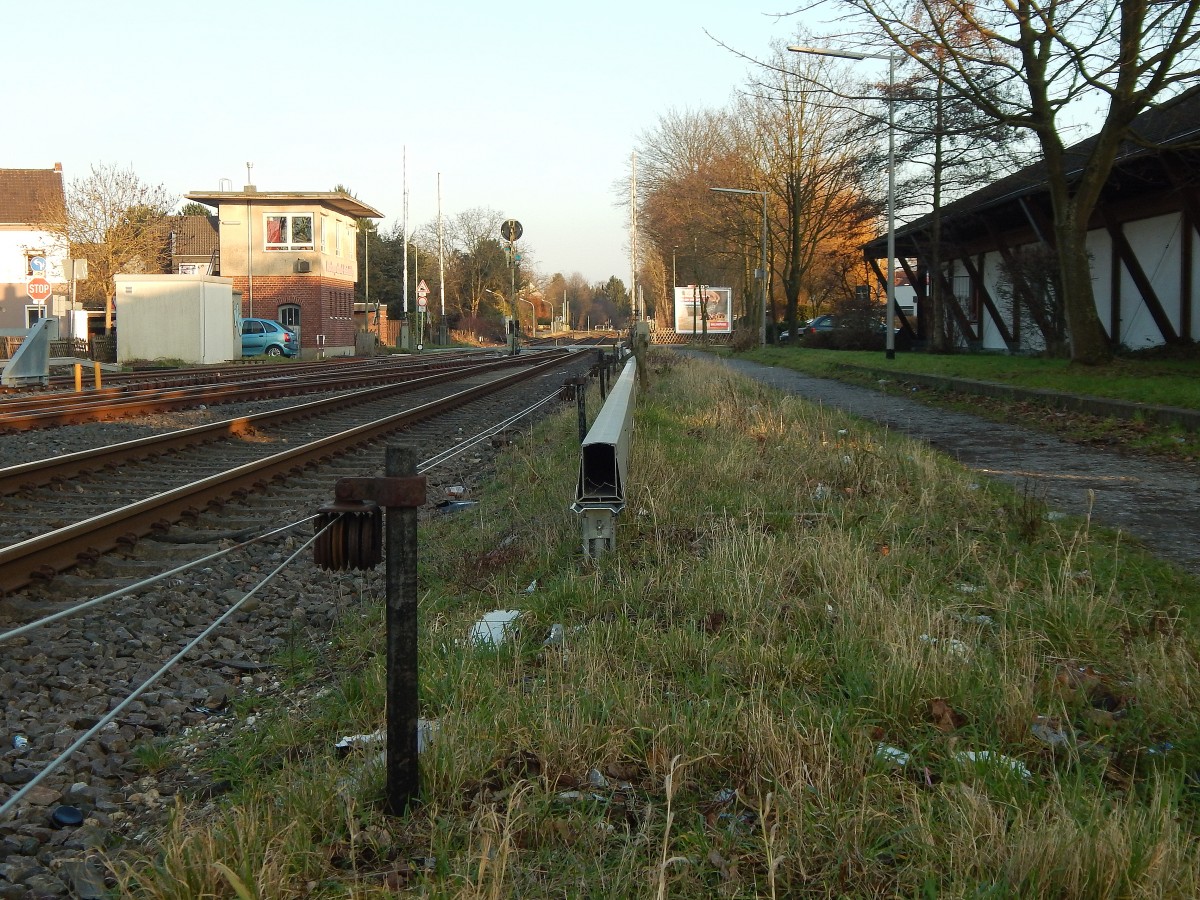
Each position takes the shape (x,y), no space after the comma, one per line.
(293,257)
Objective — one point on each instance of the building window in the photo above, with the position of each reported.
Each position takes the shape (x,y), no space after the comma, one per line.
(324,232)
(289,232)
(33,315)
(289,316)
(337,238)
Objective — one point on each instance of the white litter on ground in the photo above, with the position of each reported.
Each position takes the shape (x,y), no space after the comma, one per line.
(494,627)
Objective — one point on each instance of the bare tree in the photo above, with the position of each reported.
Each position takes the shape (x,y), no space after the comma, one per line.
(1054,54)
(118,224)
(812,158)
(951,146)
(473,236)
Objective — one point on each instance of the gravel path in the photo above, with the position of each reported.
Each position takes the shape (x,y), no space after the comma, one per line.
(1154,501)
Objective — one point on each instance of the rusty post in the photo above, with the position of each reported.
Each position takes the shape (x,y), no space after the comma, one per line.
(581,406)
(403,777)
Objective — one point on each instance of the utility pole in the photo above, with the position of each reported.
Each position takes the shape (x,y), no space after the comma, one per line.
(249,249)
(633,238)
(404,240)
(444,337)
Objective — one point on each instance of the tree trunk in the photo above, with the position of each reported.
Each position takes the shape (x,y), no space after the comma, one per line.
(1089,342)
(792,274)
(939,341)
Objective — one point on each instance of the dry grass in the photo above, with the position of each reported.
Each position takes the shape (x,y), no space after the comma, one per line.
(792,591)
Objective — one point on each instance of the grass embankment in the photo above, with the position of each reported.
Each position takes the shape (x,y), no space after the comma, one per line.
(1160,382)
(1139,379)
(772,688)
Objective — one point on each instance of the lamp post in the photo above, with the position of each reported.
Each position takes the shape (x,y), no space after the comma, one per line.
(532,314)
(762,272)
(890,331)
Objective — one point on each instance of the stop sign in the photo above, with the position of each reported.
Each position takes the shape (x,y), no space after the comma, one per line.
(38,289)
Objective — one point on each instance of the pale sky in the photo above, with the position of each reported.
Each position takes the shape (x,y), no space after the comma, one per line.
(531,108)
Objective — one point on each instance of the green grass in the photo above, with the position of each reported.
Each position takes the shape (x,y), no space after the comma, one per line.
(1163,382)
(791,591)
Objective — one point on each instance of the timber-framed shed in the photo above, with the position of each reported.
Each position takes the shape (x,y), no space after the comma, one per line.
(1143,238)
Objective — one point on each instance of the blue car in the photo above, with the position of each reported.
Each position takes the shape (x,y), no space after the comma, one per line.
(267,336)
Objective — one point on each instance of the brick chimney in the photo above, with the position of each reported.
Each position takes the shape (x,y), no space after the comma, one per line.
(58,168)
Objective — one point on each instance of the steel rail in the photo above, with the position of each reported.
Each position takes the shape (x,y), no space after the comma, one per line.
(119,384)
(31,475)
(155,400)
(44,556)
(62,385)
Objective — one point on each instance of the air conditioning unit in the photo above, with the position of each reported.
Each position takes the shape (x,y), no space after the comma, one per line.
(303,266)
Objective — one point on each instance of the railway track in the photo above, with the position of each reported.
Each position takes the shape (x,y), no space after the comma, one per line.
(153,600)
(65,510)
(224,385)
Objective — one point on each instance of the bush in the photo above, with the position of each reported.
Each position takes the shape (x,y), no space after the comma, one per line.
(744,339)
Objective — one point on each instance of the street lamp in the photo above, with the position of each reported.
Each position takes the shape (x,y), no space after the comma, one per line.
(532,315)
(762,273)
(891,239)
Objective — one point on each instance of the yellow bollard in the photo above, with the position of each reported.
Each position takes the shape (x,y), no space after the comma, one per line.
(97,370)
(78,378)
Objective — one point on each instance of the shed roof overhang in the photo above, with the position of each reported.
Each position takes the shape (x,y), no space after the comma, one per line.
(338,200)
(1170,127)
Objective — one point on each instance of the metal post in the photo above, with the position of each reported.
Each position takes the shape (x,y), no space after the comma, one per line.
(403,782)
(891,282)
(581,406)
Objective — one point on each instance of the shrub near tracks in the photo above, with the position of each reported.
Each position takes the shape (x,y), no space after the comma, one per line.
(822,661)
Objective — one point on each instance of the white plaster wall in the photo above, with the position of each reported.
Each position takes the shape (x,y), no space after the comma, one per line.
(1156,246)
(1099,246)
(1195,239)
(14,243)
(993,338)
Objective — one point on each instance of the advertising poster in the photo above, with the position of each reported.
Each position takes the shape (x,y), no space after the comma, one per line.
(692,305)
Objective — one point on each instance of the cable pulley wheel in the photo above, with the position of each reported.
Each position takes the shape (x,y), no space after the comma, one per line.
(349,536)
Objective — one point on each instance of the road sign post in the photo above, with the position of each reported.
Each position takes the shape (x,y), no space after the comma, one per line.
(38,289)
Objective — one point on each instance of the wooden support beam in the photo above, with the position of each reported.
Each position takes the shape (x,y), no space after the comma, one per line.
(912,279)
(1022,291)
(1038,221)
(977,280)
(955,308)
(1186,263)
(1184,183)
(1122,249)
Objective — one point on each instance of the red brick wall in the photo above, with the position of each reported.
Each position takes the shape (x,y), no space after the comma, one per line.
(326,306)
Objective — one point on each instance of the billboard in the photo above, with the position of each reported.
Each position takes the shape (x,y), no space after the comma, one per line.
(692,305)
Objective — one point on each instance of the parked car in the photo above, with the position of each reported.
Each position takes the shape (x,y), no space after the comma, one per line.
(267,336)
(812,326)
(821,323)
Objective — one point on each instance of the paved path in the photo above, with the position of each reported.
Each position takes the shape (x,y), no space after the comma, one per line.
(1157,502)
